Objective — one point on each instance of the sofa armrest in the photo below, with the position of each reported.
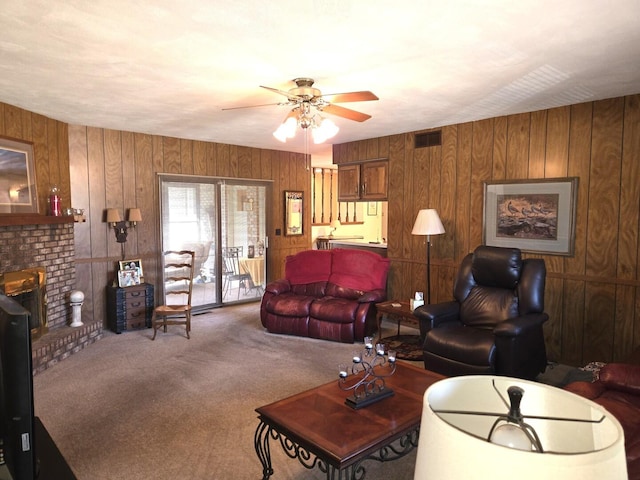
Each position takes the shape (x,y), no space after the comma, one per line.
(621,376)
(278,287)
(438,313)
(520,325)
(375,296)
(588,390)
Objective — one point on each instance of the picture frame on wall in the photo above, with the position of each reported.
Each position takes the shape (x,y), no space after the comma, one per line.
(18,193)
(534,215)
(372,209)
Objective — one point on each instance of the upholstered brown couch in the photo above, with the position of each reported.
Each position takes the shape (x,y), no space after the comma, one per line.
(326,294)
(618,390)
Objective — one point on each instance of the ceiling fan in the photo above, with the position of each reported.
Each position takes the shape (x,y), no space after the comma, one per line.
(305,93)
(308,102)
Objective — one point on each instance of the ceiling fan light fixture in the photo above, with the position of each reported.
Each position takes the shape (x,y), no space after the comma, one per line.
(286,129)
(323,130)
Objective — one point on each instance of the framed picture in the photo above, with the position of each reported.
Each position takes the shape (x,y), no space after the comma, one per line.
(537,215)
(372,209)
(128,277)
(17,177)
(293,209)
(133,265)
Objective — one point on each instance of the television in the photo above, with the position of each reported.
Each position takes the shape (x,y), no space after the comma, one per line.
(17,420)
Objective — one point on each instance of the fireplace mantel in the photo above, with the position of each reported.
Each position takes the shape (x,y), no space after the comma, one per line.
(32,219)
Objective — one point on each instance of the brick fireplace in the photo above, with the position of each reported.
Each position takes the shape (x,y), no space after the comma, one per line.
(48,245)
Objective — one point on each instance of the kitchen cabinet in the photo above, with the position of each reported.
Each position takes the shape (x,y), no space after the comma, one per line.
(366,181)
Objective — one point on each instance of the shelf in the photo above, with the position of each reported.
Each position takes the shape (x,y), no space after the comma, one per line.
(32,219)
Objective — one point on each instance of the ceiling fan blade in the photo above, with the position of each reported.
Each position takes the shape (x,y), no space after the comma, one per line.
(363,96)
(281,92)
(346,113)
(255,106)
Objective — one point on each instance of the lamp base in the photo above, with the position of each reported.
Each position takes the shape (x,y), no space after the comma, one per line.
(366,400)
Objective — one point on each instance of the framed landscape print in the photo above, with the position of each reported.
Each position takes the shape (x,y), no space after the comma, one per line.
(537,215)
(17,177)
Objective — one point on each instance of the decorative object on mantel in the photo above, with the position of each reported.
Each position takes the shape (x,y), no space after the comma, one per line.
(428,223)
(365,377)
(55,209)
(76,300)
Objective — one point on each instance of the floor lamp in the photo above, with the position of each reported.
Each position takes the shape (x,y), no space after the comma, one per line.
(428,223)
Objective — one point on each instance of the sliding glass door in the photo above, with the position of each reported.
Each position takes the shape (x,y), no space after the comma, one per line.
(224,221)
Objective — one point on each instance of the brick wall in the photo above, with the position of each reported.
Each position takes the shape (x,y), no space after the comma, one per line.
(50,246)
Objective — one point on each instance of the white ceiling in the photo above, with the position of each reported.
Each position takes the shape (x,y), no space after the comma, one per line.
(169,67)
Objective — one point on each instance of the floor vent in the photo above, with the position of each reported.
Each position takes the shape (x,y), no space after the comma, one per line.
(429,139)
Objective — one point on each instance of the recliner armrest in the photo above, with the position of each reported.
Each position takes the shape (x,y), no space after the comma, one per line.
(438,313)
(278,287)
(621,376)
(520,325)
(376,296)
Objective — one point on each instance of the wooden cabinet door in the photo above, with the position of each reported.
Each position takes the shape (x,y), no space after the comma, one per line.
(374,181)
(348,183)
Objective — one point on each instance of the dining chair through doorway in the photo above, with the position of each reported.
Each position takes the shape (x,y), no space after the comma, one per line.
(178,266)
(231,270)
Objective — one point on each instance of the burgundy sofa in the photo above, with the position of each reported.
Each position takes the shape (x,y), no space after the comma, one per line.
(618,390)
(326,294)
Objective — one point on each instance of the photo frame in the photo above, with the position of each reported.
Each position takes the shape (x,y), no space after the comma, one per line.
(537,215)
(18,193)
(293,213)
(133,265)
(372,209)
(128,278)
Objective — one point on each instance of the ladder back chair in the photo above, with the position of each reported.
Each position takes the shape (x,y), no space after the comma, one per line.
(178,266)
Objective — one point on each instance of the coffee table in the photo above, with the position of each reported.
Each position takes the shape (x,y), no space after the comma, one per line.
(320,430)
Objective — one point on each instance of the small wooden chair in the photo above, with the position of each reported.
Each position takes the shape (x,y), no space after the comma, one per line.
(178,269)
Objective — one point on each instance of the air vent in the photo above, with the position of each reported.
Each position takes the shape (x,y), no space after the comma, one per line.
(428,139)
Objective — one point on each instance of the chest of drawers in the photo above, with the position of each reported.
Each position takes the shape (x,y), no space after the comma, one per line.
(129,308)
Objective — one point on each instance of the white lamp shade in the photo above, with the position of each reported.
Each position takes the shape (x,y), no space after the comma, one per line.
(335,223)
(427,223)
(454,445)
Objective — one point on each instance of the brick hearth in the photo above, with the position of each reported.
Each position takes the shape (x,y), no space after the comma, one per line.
(50,246)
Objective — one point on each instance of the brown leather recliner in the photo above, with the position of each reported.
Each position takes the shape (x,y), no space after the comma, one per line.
(494,325)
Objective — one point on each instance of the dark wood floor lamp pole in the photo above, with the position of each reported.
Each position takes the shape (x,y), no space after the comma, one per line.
(428,223)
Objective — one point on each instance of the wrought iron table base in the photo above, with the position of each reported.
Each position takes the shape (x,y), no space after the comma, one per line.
(397,448)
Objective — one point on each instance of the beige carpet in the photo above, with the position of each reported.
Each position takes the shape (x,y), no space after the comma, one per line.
(128,408)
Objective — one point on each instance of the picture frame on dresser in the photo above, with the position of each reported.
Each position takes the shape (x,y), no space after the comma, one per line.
(18,192)
(128,277)
(133,265)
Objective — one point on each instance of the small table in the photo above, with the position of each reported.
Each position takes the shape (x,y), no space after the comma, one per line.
(254,267)
(320,430)
(400,313)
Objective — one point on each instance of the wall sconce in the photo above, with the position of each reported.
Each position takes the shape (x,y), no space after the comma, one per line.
(120,226)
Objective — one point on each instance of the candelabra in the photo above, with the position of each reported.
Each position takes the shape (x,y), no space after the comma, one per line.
(366,375)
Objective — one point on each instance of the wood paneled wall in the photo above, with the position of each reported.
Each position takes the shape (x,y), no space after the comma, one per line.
(118,169)
(50,150)
(593,297)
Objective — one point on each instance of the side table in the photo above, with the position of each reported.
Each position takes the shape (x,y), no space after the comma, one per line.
(129,308)
(401,313)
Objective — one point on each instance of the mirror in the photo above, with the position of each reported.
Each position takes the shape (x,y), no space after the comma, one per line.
(293,213)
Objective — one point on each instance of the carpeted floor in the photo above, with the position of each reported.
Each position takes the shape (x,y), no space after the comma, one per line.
(129,408)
